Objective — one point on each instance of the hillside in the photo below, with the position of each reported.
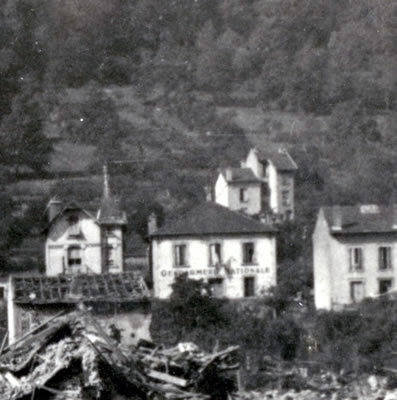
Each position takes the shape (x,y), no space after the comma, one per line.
(167,91)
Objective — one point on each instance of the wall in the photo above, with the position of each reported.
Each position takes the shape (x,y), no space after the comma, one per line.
(264,270)
(253,163)
(285,181)
(321,264)
(132,319)
(221,191)
(273,188)
(252,205)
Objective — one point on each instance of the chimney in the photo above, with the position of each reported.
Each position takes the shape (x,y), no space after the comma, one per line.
(336,218)
(152,223)
(208,193)
(228,174)
(54,207)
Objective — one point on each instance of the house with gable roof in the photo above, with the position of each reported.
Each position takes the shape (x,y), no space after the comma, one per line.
(354,254)
(276,169)
(83,241)
(233,253)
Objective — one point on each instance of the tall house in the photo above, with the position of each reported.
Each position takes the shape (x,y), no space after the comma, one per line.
(239,190)
(354,254)
(276,169)
(81,240)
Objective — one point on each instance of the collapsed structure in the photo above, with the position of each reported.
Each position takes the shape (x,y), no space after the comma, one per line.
(72,357)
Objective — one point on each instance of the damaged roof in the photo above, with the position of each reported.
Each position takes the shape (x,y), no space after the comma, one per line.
(209,219)
(364,218)
(72,289)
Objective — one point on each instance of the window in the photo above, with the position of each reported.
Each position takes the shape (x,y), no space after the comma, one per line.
(180,255)
(248,253)
(385,258)
(74,257)
(215,254)
(243,195)
(110,256)
(249,286)
(356,291)
(385,285)
(216,287)
(285,181)
(285,198)
(74,225)
(356,259)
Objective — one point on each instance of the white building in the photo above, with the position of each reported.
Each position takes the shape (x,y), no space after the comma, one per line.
(354,254)
(276,169)
(79,241)
(239,190)
(235,254)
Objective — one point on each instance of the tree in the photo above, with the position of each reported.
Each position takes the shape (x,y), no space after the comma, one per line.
(22,140)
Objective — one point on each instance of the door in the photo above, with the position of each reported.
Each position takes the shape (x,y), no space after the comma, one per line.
(249,286)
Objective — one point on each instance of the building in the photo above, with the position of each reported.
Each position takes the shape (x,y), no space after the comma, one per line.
(85,241)
(239,190)
(276,169)
(120,302)
(354,254)
(235,254)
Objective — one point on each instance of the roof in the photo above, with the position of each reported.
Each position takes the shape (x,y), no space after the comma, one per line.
(240,175)
(110,213)
(362,218)
(209,219)
(280,158)
(72,289)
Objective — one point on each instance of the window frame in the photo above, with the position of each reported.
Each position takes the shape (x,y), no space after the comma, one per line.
(351,284)
(245,279)
(211,262)
(391,280)
(176,257)
(244,260)
(388,260)
(355,266)
(74,225)
(243,195)
(69,258)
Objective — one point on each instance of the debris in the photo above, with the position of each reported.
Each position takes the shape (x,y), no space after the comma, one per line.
(71,357)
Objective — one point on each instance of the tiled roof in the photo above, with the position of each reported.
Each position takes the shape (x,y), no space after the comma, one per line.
(209,219)
(361,218)
(72,289)
(110,212)
(280,158)
(240,175)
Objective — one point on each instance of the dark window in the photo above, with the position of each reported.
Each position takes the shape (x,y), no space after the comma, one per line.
(74,225)
(216,287)
(248,253)
(215,254)
(74,257)
(385,285)
(2,294)
(385,258)
(180,255)
(249,286)
(110,255)
(285,195)
(356,258)
(357,291)
(243,195)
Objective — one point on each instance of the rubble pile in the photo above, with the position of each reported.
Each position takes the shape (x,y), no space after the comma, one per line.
(71,357)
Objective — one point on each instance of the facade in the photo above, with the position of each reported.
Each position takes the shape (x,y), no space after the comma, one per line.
(354,254)
(239,190)
(79,241)
(233,253)
(121,302)
(276,169)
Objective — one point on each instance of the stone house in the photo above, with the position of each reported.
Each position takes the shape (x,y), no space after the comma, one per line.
(233,253)
(354,254)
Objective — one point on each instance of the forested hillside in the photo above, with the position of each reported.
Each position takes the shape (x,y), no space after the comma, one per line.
(177,88)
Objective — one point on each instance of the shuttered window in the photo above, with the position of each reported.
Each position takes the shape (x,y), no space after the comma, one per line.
(385,258)
(356,259)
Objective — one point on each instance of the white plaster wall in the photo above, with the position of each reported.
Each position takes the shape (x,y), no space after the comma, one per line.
(370,274)
(274,188)
(222,191)
(264,270)
(322,264)
(252,205)
(253,163)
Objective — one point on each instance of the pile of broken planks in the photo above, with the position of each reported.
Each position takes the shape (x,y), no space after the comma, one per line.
(70,357)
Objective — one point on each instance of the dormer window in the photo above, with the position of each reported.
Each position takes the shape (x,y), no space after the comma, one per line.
(74,225)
